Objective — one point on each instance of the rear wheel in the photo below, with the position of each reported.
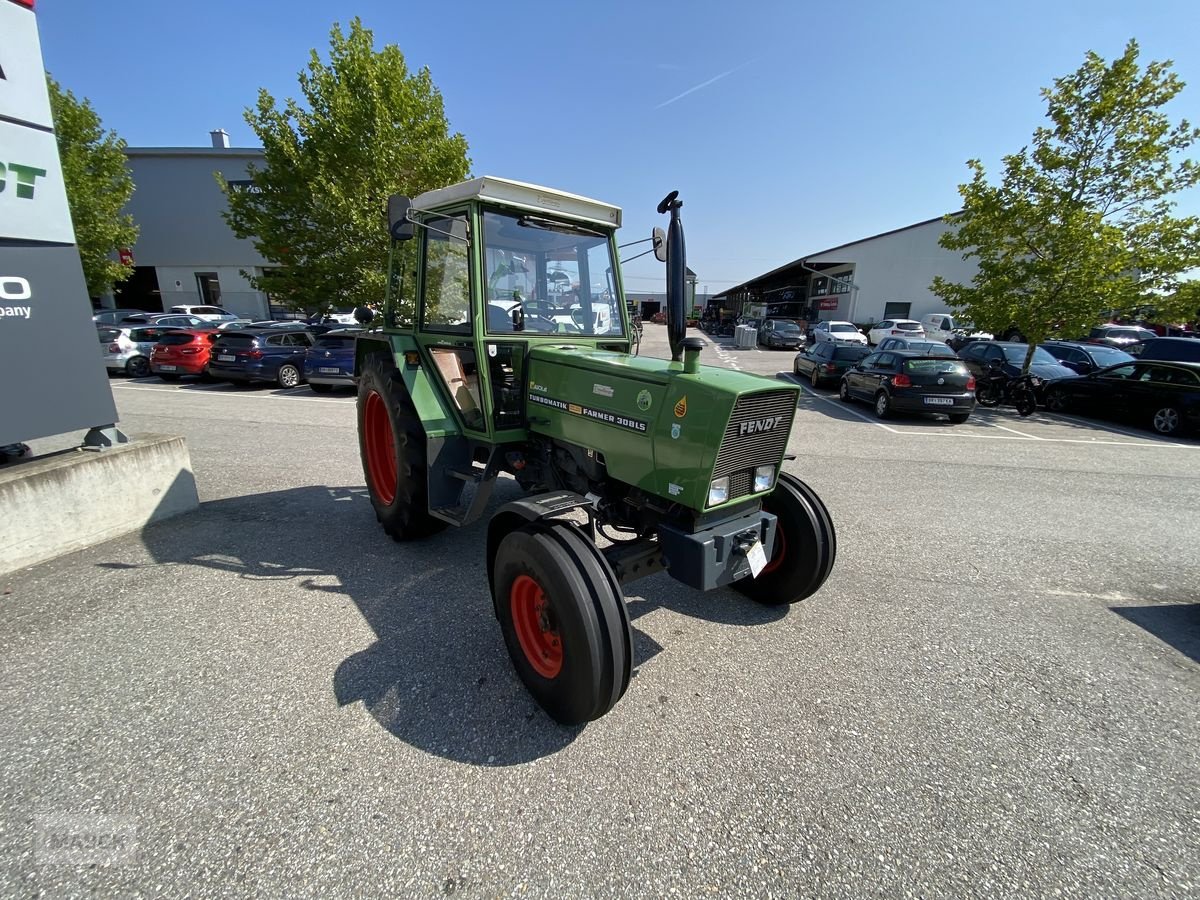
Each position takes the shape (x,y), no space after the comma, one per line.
(883,405)
(391,443)
(138,367)
(288,376)
(321,388)
(1026,403)
(1166,420)
(815,379)
(987,395)
(563,620)
(805,546)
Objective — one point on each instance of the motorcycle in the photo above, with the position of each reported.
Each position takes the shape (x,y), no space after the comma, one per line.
(997,386)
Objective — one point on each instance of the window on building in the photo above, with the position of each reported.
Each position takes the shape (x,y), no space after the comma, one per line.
(820,286)
(842,285)
(210,287)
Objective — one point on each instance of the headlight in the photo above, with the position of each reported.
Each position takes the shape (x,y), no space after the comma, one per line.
(718,491)
(764,478)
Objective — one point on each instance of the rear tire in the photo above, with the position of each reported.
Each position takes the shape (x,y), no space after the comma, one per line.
(1167,421)
(321,388)
(987,396)
(805,546)
(138,367)
(883,405)
(1026,403)
(815,379)
(391,445)
(563,620)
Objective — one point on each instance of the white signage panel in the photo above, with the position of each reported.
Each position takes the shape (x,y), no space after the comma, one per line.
(33,199)
(23,93)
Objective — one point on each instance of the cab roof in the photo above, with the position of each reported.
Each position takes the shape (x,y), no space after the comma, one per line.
(531,197)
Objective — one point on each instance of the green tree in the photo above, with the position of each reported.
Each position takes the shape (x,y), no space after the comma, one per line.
(98,186)
(1081,224)
(367,128)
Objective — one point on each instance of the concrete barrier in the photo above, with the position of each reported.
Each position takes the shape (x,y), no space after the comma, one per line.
(67,501)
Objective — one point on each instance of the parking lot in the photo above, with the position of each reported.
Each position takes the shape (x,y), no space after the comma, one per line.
(995,693)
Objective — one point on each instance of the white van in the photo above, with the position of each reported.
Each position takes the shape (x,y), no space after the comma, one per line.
(943,327)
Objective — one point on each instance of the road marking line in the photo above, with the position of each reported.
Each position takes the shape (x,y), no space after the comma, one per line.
(842,406)
(1105,426)
(1032,437)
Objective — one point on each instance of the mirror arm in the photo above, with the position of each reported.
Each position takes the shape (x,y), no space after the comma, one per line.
(632,243)
(453,237)
(638,256)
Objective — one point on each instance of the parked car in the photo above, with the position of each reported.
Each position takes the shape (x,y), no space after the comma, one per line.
(838,332)
(1170,349)
(163,320)
(894,328)
(1119,335)
(113,316)
(904,381)
(951,330)
(1081,357)
(265,354)
(182,352)
(329,362)
(922,346)
(780,333)
(207,313)
(827,361)
(1010,356)
(127,348)
(1161,395)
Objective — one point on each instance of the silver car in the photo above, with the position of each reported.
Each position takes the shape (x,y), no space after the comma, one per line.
(127,348)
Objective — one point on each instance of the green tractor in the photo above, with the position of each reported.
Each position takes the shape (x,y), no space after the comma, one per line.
(504,348)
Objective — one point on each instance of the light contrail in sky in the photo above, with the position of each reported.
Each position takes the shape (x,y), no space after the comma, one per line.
(703,84)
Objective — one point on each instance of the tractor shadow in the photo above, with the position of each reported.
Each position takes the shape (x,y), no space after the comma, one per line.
(437,675)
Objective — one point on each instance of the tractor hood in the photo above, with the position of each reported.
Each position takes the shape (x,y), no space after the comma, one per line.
(659,428)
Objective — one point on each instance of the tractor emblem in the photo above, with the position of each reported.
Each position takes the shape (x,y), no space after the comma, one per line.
(681,407)
(644,401)
(675,431)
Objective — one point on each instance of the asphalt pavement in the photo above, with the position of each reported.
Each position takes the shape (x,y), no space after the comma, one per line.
(995,693)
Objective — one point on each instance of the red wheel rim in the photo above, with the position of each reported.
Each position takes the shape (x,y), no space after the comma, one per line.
(537,632)
(381,449)
(779,552)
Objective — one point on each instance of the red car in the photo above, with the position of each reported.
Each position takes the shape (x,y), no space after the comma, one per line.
(182,352)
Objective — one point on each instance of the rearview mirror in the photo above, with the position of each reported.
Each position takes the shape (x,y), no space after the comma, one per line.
(399,225)
(659,239)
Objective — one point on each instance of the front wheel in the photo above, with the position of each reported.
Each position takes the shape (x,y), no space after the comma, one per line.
(1026,402)
(1056,400)
(563,620)
(883,405)
(805,546)
(844,392)
(288,376)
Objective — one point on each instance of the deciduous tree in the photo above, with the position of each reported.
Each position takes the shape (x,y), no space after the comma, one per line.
(98,186)
(1082,223)
(367,127)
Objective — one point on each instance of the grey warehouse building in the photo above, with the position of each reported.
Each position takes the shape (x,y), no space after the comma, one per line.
(865,281)
(185,252)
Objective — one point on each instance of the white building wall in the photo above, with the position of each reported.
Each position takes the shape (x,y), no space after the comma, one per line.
(897,267)
(178,285)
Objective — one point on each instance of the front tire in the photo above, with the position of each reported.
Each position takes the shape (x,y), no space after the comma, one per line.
(563,620)
(844,392)
(391,445)
(1026,403)
(288,376)
(805,546)
(1057,400)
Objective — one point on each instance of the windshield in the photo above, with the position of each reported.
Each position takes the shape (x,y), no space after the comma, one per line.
(935,366)
(1109,356)
(908,326)
(547,276)
(1016,355)
(842,328)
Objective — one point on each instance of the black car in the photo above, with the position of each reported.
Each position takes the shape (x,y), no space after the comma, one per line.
(826,361)
(1168,349)
(904,381)
(1010,356)
(780,333)
(1081,357)
(1164,396)
(917,345)
(267,354)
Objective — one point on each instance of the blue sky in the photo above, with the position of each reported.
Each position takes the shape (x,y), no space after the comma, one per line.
(787,127)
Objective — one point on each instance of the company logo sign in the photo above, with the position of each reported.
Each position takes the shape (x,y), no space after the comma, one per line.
(14,288)
(756,426)
(23,178)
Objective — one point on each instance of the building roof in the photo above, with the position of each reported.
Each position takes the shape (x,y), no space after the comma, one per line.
(804,259)
(247,152)
(523,196)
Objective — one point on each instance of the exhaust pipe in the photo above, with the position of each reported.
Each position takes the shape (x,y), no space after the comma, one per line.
(676,276)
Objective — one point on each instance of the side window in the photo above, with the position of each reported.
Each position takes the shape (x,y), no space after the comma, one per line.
(446,300)
(886,323)
(276,340)
(869,362)
(1120,372)
(885,361)
(945,324)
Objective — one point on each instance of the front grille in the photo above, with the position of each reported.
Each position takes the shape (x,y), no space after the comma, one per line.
(762,441)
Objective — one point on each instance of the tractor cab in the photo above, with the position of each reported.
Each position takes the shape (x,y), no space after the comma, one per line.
(495,266)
